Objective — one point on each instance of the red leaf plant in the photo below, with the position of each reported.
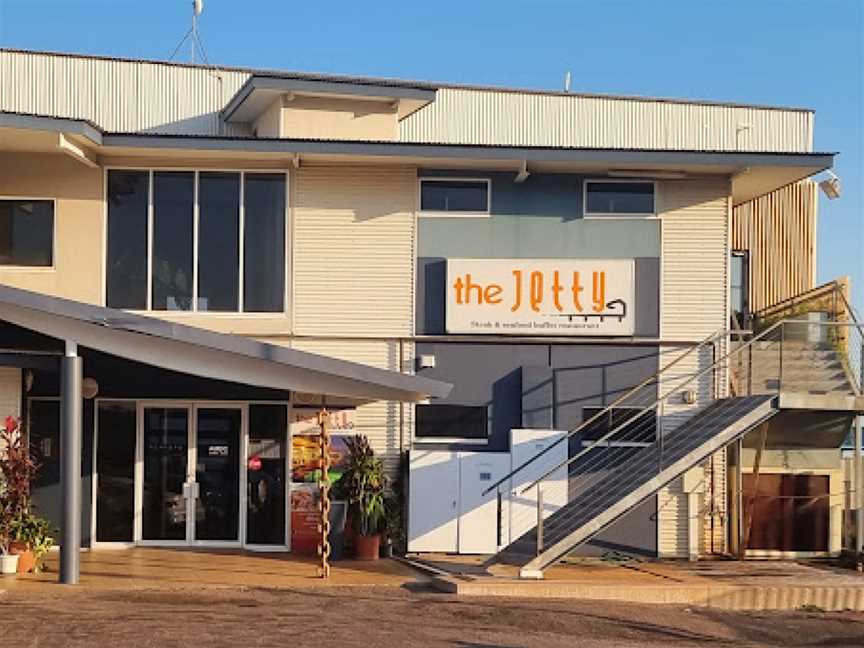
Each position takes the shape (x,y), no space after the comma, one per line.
(17,470)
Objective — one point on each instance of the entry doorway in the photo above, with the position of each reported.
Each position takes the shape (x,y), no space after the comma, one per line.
(191,468)
(203,473)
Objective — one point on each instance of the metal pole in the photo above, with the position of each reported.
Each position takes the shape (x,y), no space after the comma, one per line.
(71,375)
(858,495)
(539,520)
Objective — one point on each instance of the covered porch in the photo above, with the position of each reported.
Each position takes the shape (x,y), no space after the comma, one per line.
(160,434)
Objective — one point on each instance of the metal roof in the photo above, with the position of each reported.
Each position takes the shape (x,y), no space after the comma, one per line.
(197,351)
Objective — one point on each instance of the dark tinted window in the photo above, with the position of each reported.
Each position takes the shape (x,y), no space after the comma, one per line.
(173,201)
(619,198)
(454,195)
(265,521)
(738,276)
(453,421)
(126,272)
(115,465)
(218,241)
(264,242)
(638,426)
(26,232)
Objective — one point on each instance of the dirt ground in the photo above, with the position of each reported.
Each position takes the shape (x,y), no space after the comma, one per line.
(371,617)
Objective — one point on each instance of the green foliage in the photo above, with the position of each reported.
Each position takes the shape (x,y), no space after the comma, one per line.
(363,484)
(34,532)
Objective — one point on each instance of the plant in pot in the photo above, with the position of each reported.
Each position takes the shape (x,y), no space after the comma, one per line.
(32,540)
(18,470)
(8,561)
(364,483)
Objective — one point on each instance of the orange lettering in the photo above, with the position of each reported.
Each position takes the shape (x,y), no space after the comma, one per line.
(517,275)
(556,290)
(536,290)
(492,294)
(577,288)
(599,291)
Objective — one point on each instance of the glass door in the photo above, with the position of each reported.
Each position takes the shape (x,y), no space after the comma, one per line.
(166,489)
(217,474)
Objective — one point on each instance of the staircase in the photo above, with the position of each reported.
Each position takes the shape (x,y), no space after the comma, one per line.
(617,461)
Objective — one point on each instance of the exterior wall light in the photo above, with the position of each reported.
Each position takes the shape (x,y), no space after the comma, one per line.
(688,396)
(426,361)
(89,388)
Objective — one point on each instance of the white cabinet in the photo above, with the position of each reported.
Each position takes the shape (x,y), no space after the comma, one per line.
(447,511)
(433,503)
(525,444)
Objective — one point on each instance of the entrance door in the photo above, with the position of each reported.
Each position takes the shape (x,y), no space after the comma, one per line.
(190,481)
(166,488)
(217,474)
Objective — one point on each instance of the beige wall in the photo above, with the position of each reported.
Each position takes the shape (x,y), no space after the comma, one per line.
(78,223)
(323,118)
(269,124)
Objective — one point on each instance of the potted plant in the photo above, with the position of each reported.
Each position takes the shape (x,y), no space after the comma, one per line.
(363,483)
(8,561)
(32,540)
(17,469)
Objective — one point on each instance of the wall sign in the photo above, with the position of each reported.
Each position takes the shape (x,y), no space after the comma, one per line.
(541,296)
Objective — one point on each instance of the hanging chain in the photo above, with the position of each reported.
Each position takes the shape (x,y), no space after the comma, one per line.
(324,494)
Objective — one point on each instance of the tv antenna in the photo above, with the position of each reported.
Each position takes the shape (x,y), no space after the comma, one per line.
(191,36)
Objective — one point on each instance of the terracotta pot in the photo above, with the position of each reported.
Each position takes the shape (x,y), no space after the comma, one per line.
(26,558)
(366,547)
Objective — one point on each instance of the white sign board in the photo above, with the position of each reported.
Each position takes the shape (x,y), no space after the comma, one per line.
(541,296)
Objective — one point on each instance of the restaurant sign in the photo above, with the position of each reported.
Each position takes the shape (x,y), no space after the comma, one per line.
(541,296)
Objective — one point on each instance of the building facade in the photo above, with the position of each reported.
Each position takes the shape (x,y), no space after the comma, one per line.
(545,253)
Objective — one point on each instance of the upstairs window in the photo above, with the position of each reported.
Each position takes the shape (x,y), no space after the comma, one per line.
(613,198)
(454,196)
(739,275)
(450,422)
(26,233)
(196,241)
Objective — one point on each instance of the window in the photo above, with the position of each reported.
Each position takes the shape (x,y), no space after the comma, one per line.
(637,428)
(196,241)
(739,271)
(454,195)
(612,198)
(452,422)
(27,233)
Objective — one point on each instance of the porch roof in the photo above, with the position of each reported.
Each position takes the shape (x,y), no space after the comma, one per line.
(196,351)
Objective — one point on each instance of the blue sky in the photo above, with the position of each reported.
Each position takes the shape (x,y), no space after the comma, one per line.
(784,52)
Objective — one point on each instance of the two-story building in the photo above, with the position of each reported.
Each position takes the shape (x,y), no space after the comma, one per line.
(230,249)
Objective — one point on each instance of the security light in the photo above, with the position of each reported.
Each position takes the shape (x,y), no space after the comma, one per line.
(831,186)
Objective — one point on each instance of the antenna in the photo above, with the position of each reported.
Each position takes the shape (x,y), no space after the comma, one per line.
(195,46)
(567,81)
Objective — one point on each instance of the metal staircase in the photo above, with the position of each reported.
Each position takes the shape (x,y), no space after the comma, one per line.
(701,401)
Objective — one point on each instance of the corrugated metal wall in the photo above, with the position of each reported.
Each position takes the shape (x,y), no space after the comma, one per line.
(130,96)
(779,230)
(354,250)
(119,96)
(672,521)
(521,119)
(695,222)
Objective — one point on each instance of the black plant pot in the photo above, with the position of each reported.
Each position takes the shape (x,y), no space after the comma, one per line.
(338,515)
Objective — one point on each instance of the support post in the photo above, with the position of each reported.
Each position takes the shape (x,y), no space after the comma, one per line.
(858,488)
(757,464)
(71,376)
(324,494)
(539,520)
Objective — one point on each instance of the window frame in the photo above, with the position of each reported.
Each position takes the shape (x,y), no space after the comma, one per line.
(640,215)
(619,444)
(435,213)
(743,254)
(427,440)
(197,171)
(41,268)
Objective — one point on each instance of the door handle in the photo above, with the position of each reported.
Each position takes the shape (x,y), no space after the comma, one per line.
(191,490)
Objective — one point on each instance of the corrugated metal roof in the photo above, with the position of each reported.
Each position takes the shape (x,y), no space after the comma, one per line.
(405,83)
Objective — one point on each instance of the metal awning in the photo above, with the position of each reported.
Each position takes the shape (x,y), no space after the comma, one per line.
(196,351)
(751,173)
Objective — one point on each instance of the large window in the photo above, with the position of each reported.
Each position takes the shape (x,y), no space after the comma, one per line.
(437,422)
(196,241)
(454,196)
(613,198)
(27,233)
(739,271)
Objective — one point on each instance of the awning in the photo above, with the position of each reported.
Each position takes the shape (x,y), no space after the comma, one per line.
(200,352)
(752,173)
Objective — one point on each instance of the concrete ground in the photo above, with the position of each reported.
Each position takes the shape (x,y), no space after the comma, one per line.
(155,598)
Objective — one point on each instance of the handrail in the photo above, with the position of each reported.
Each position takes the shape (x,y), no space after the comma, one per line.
(834,284)
(660,399)
(850,310)
(710,339)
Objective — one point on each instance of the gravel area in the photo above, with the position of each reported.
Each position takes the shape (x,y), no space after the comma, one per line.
(367,617)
